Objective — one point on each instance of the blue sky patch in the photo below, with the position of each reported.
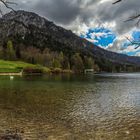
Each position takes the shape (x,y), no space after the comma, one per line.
(100,36)
(136,35)
(104,37)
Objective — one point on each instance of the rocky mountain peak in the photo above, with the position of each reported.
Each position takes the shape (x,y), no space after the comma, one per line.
(25,17)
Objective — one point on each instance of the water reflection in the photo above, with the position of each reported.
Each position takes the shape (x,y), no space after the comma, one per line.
(69,107)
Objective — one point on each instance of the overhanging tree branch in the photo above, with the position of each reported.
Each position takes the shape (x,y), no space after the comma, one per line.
(134,17)
(7,4)
(116,1)
(135,43)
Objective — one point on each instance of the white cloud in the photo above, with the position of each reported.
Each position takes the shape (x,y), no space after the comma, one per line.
(130,49)
(109,45)
(98,35)
(103,1)
(92,40)
(138,54)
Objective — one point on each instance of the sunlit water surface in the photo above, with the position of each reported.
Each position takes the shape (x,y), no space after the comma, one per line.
(90,107)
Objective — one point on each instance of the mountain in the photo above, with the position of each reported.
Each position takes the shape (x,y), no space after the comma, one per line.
(29,29)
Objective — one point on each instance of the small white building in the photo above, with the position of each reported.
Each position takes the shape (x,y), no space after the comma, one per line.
(89,71)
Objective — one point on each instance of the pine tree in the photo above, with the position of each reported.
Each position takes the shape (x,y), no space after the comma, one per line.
(89,63)
(77,63)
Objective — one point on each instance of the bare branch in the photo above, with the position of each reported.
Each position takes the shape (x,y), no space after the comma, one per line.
(135,17)
(132,18)
(128,39)
(133,42)
(137,47)
(116,1)
(7,4)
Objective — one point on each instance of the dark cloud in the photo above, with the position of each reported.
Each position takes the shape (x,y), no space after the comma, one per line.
(119,13)
(60,11)
(65,12)
(72,14)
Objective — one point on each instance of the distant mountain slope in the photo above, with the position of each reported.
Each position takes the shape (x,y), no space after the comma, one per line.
(30,29)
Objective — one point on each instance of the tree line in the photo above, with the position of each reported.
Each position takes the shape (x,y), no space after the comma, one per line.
(51,59)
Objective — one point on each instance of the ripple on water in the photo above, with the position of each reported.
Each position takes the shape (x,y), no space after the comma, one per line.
(103,108)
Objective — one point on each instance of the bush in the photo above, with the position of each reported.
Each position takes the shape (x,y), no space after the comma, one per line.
(29,70)
(67,71)
(56,70)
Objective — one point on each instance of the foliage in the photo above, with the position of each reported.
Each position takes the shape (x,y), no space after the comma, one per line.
(13,66)
(32,70)
(89,63)
(77,63)
(10,52)
(47,59)
(56,63)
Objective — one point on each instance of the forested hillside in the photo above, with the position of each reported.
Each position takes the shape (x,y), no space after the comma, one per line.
(28,37)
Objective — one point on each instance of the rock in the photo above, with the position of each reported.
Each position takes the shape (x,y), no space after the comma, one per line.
(11,137)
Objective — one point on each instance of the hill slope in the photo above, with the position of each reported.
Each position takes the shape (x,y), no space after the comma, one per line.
(13,66)
(29,29)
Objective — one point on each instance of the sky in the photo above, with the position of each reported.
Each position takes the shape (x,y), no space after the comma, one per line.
(99,21)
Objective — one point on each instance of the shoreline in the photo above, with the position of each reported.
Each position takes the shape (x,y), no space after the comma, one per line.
(11,74)
(21,73)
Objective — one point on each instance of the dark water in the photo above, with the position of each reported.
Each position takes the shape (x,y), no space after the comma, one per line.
(91,107)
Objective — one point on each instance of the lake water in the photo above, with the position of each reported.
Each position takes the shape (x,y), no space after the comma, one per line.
(88,107)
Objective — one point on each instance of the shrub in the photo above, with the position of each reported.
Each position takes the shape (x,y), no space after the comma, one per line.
(29,70)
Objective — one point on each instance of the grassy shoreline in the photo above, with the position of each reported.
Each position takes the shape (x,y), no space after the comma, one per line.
(10,74)
(22,68)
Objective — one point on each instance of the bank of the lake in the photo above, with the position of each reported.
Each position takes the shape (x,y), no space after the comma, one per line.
(23,68)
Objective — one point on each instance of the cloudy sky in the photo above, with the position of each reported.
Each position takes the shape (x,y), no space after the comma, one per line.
(96,20)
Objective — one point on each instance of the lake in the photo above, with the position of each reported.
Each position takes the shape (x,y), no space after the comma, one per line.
(69,107)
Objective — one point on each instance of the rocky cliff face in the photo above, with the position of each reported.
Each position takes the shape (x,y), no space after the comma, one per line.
(31,29)
(36,31)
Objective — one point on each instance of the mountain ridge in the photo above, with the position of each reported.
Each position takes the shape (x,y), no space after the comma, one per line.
(31,29)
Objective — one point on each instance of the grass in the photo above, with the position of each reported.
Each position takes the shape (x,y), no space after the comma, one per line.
(17,66)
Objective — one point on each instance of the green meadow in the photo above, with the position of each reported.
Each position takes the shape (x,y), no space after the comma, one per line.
(16,66)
